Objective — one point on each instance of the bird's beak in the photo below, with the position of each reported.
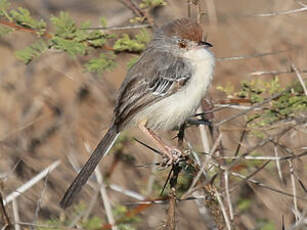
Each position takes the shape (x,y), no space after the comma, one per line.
(205,44)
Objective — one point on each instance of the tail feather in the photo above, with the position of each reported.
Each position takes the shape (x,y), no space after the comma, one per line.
(101,150)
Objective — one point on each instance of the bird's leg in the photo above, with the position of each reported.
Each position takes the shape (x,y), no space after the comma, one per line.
(173,154)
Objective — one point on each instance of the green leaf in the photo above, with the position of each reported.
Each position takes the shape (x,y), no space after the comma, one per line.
(100,64)
(30,52)
(72,47)
(103,22)
(152,3)
(120,212)
(23,17)
(81,34)
(125,43)
(4,6)
(65,27)
(93,223)
(244,204)
(143,36)
(54,224)
(126,227)
(93,38)
(228,89)
(268,225)
(4,30)
(132,61)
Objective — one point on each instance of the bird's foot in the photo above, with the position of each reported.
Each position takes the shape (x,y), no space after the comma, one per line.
(172,156)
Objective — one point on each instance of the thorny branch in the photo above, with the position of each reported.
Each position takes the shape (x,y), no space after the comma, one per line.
(285,12)
(4,216)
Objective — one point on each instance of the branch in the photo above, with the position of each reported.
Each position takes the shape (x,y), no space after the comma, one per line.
(4,216)
(285,12)
(251,56)
(115,28)
(31,182)
(299,76)
(253,107)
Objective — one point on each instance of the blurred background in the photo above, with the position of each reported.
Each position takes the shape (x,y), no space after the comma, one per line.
(51,109)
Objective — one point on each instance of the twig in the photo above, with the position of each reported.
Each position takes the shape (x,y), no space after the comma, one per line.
(4,216)
(247,178)
(299,224)
(171,220)
(133,7)
(126,192)
(148,146)
(19,129)
(234,58)
(84,214)
(223,209)
(158,201)
(39,201)
(38,225)
(73,161)
(194,154)
(199,12)
(22,28)
(76,219)
(299,76)
(138,11)
(16,215)
(250,175)
(253,107)
(260,144)
(263,158)
(266,186)
(244,132)
(293,188)
(203,166)
(31,182)
(301,184)
(230,106)
(212,151)
(278,163)
(4,176)
(226,175)
(91,205)
(115,28)
(152,177)
(274,72)
(211,12)
(203,210)
(285,12)
(189,8)
(203,134)
(167,180)
(105,198)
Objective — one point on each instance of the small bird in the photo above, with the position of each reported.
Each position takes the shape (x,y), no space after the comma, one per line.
(161,90)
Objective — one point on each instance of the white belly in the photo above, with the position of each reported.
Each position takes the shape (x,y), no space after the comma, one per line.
(175,109)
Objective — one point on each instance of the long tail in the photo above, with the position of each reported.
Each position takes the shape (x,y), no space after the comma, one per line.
(102,149)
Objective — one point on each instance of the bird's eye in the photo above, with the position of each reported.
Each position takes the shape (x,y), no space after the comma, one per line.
(182,44)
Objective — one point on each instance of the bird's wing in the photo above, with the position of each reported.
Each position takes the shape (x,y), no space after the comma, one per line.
(154,77)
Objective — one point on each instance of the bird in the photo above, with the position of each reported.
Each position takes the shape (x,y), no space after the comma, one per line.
(160,91)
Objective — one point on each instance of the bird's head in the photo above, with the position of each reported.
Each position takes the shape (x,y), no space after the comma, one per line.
(181,35)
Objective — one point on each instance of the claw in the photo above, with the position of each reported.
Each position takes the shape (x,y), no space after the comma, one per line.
(173,156)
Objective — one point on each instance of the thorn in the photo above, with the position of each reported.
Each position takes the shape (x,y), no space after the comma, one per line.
(147,146)
(302,185)
(283,223)
(167,180)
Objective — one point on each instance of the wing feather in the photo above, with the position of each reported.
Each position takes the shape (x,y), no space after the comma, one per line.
(164,77)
